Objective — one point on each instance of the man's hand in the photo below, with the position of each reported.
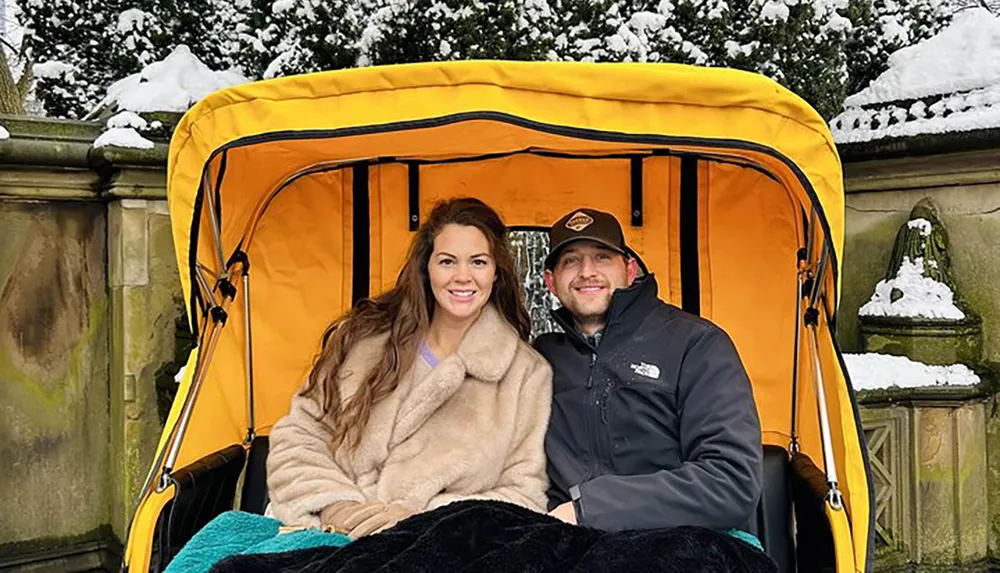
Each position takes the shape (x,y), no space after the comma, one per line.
(565,512)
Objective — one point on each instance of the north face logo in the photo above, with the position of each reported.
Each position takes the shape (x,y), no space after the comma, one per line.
(647,370)
(579,221)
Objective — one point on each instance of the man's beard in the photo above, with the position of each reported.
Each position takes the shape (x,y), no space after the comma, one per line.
(586,321)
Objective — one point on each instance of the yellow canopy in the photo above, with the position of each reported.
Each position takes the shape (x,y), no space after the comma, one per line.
(728,185)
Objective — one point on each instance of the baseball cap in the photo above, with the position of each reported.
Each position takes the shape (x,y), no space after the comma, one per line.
(585,224)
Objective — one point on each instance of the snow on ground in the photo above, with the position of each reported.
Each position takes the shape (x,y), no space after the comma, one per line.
(173,84)
(947,83)
(123,137)
(923,297)
(4,134)
(878,371)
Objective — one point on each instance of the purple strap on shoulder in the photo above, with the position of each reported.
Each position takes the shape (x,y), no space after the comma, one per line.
(425,351)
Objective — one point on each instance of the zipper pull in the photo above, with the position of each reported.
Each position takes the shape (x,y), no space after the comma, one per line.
(590,375)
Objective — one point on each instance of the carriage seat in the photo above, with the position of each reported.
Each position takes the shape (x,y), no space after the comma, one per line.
(771,522)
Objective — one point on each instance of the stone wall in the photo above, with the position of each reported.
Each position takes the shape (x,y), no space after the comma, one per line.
(89,310)
(53,373)
(935,453)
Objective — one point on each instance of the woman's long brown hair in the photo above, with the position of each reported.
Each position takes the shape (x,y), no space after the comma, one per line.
(405,313)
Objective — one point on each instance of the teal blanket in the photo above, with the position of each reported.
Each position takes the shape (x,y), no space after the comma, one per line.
(241,533)
(746,537)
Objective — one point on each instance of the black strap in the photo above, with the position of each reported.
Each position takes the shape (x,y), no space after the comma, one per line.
(218,189)
(690,274)
(636,191)
(362,242)
(414,177)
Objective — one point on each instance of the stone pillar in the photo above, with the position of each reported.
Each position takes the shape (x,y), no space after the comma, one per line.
(53,370)
(928,454)
(145,308)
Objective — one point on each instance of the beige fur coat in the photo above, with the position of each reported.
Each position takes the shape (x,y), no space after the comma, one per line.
(473,427)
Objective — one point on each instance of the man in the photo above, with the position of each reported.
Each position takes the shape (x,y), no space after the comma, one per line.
(653,418)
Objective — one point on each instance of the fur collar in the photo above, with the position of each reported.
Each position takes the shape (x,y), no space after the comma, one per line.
(489,346)
(485,353)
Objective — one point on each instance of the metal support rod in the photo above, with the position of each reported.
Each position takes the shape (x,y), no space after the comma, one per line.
(201,371)
(802,264)
(794,445)
(829,462)
(818,277)
(216,234)
(811,234)
(249,355)
(206,289)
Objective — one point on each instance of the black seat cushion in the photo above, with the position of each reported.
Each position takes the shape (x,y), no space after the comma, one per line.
(254,498)
(772,523)
(202,490)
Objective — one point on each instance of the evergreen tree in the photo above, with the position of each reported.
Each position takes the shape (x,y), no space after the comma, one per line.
(89,44)
(75,36)
(285,37)
(821,49)
(883,26)
(427,30)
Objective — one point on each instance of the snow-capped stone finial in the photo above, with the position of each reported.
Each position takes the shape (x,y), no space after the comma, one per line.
(915,310)
(918,281)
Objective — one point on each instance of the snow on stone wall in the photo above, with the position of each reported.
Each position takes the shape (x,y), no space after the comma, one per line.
(922,297)
(879,371)
(947,83)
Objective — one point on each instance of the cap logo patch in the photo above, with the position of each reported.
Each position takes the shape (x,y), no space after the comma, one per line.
(579,221)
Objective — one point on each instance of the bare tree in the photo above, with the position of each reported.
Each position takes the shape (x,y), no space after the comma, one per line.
(13,93)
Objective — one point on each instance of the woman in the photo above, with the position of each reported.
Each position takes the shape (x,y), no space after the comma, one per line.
(426,395)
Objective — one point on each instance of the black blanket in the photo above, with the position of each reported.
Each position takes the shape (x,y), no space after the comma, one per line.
(487,536)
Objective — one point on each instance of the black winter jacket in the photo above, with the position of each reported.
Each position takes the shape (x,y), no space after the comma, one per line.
(657,426)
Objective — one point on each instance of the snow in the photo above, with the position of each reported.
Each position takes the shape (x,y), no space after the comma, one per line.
(923,224)
(774,11)
(963,56)
(923,297)
(123,137)
(857,125)
(13,34)
(133,19)
(127,119)
(52,69)
(4,134)
(954,77)
(280,6)
(878,371)
(173,84)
